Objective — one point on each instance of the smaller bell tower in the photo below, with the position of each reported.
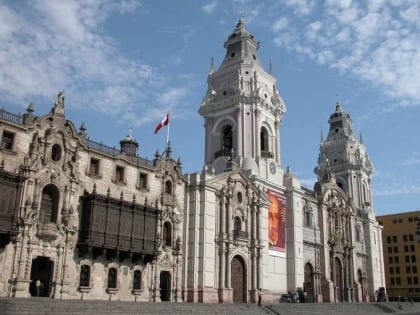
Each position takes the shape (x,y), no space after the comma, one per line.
(346,157)
(243,111)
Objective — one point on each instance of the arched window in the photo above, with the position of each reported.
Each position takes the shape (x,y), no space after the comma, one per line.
(112,278)
(227,140)
(56,152)
(85,276)
(49,204)
(358,233)
(167,234)
(264,140)
(237,224)
(137,280)
(168,187)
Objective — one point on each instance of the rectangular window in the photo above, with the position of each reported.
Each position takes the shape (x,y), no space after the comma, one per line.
(415,280)
(398,280)
(399,220)
(413,258)
(94,167)
(395,249)
(143,181)
(408,269)
(7,140)
(397,270)
(394,239)
(119,174)
(408,280)
(397,259)
(392,281)
(407,259)
(390,260)
(405,238)
(414,269)
(388,239)
(389,250)
(412,249)
(411,237)
(391,270)
(405,248)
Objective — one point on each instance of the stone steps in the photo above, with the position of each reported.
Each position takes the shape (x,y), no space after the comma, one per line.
(46,306)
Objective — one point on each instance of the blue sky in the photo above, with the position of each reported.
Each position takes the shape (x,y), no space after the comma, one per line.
(124,64)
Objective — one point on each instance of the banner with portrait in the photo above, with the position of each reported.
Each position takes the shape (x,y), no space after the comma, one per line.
(276,223)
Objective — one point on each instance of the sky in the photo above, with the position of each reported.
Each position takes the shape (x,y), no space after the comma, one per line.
(124,64)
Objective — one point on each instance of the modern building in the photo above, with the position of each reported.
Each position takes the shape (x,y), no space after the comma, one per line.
(401,249)
(93,222)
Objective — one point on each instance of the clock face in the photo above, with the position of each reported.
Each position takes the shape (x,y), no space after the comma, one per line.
(273,168)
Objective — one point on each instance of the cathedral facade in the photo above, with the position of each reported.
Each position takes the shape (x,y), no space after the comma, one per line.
(82,220)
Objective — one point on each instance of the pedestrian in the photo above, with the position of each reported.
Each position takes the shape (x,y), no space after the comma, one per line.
(38,287)
(260,294)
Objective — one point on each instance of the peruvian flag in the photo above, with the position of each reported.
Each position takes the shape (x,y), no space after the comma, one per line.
(163,122)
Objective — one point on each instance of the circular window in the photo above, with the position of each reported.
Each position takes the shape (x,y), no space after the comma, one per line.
(239,196)
(56,152)
(232,55)
(246,72)
(336,130)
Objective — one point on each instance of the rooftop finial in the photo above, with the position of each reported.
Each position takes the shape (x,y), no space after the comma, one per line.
(211,65)
(270,67)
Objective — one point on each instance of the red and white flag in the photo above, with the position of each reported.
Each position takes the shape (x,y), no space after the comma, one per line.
(163,122)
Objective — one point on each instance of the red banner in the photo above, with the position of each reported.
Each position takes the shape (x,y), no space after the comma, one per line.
(276,223)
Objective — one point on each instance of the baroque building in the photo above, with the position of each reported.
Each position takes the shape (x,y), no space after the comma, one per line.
(94,222)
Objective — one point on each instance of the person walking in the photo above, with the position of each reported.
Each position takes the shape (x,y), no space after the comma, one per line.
(38,287)
(260,294)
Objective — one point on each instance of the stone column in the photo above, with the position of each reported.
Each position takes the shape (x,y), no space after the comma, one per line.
(239,133)
(277,152)
(257,146)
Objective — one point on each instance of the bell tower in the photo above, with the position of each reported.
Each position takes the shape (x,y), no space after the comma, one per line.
(242,110)
(346,157)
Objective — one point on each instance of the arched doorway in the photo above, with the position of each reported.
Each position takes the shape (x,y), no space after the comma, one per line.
(165,286)
(238,280)
(338,281)
(362,286)
(308,284)
(42,271)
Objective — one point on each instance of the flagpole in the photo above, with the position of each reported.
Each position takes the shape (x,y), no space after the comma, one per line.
(167,133)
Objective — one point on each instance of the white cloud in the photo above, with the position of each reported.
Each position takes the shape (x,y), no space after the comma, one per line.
(280,24)
(411,161)
(397,190)
(376,42)
(209,7)
(60,45)
(301,7)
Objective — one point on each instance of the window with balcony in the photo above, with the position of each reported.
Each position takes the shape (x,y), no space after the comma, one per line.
(167,234)
(49,204)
